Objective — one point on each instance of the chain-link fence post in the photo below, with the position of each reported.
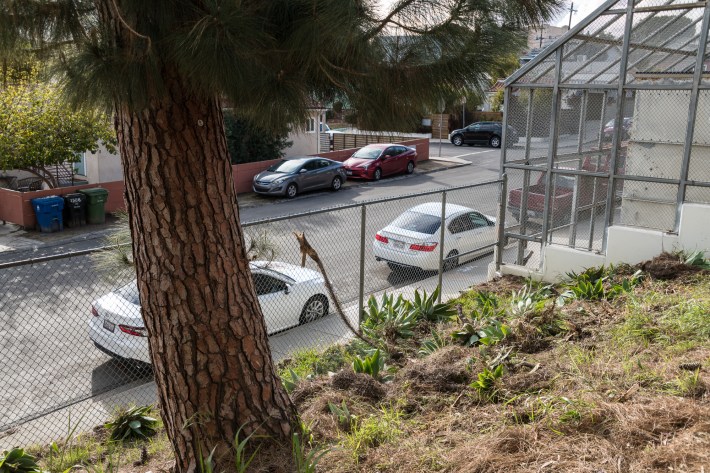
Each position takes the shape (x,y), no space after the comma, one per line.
(500,244)
(442,232)
(361,291)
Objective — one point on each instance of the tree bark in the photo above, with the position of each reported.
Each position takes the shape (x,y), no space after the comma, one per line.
(207,335)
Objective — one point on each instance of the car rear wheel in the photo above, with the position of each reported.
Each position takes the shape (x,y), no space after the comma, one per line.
(410,167)
(291,190)
(495,141)
(378,174)
(336,184)
(457,140)
(315,308)
(452,260)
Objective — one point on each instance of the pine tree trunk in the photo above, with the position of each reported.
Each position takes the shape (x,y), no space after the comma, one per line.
(207,335)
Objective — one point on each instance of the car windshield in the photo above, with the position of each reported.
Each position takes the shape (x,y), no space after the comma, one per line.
(566,182)
(286,166)
(418,222)
(130,293)
(610,123)
(367,153)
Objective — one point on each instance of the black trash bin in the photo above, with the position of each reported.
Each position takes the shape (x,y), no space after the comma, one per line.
(75,210)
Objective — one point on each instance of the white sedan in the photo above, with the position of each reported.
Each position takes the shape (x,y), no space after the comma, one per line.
(413,238)
(289,295)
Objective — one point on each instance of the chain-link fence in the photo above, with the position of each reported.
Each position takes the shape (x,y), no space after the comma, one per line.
(72,340)
(609,128)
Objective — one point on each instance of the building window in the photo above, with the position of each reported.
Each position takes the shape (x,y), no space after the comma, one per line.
(311,125)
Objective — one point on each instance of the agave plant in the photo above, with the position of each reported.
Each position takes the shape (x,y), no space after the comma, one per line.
(425,307)
(133,422)
(18,461)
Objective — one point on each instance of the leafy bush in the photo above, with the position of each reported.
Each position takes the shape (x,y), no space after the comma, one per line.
(133,422)
(18,461)
(248,142)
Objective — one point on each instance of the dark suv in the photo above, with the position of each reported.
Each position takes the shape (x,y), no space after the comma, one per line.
(483,133)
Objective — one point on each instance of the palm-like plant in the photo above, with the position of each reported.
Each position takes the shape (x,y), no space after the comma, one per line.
(165,68)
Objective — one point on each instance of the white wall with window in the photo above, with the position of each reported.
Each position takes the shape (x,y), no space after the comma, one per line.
(306,140)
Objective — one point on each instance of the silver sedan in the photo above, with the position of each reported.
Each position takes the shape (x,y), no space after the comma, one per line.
(291,176)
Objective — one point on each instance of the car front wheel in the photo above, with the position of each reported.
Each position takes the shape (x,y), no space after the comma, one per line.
(336,184)
(291,190)
(315,308)
(410,167)
(495,141)
(378,174)
(457,140)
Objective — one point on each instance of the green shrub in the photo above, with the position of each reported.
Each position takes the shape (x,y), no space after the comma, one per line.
(133,422)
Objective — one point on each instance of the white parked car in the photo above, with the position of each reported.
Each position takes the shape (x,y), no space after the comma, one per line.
(413,238)
(289,295)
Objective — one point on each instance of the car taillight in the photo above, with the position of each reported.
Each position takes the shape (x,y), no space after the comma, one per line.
(94,312)
(135,331)
(423,246)
(381,238)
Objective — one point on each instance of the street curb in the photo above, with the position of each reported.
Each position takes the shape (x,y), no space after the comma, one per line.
(246,200)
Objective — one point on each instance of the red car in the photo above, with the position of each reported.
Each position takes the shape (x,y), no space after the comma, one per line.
(377,160)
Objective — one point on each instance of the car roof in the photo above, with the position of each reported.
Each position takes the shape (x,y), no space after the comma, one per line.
(434,208)
(302,158)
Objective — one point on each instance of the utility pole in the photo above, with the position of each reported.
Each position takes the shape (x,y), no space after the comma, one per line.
(571,11)
(541,37)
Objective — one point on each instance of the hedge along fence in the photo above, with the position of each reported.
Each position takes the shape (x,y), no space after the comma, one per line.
(16,207)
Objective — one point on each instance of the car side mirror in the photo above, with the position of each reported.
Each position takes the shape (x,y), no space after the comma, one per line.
(287,290)
(387,156)
(302,171)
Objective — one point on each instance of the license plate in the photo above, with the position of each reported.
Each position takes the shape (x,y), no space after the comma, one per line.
(398,244)
(109,326)
(349,173)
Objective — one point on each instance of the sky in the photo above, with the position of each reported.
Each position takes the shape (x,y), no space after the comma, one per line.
(584,8)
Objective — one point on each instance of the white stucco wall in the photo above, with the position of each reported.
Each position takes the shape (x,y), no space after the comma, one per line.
(306,142)
(626,245)
(103,166)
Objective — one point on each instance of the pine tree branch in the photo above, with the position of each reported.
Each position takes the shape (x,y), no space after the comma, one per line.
(307,250)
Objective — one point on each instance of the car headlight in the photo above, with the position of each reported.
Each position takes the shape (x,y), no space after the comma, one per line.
(280,180)
(365,166)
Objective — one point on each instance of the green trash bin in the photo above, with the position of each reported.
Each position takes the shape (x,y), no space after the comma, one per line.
(95,204)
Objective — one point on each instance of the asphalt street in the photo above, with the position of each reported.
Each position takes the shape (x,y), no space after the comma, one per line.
(49,362)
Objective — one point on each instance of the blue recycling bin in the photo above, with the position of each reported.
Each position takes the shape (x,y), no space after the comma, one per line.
(48,211)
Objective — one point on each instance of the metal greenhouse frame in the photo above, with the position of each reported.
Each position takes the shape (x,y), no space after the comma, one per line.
(613,121)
